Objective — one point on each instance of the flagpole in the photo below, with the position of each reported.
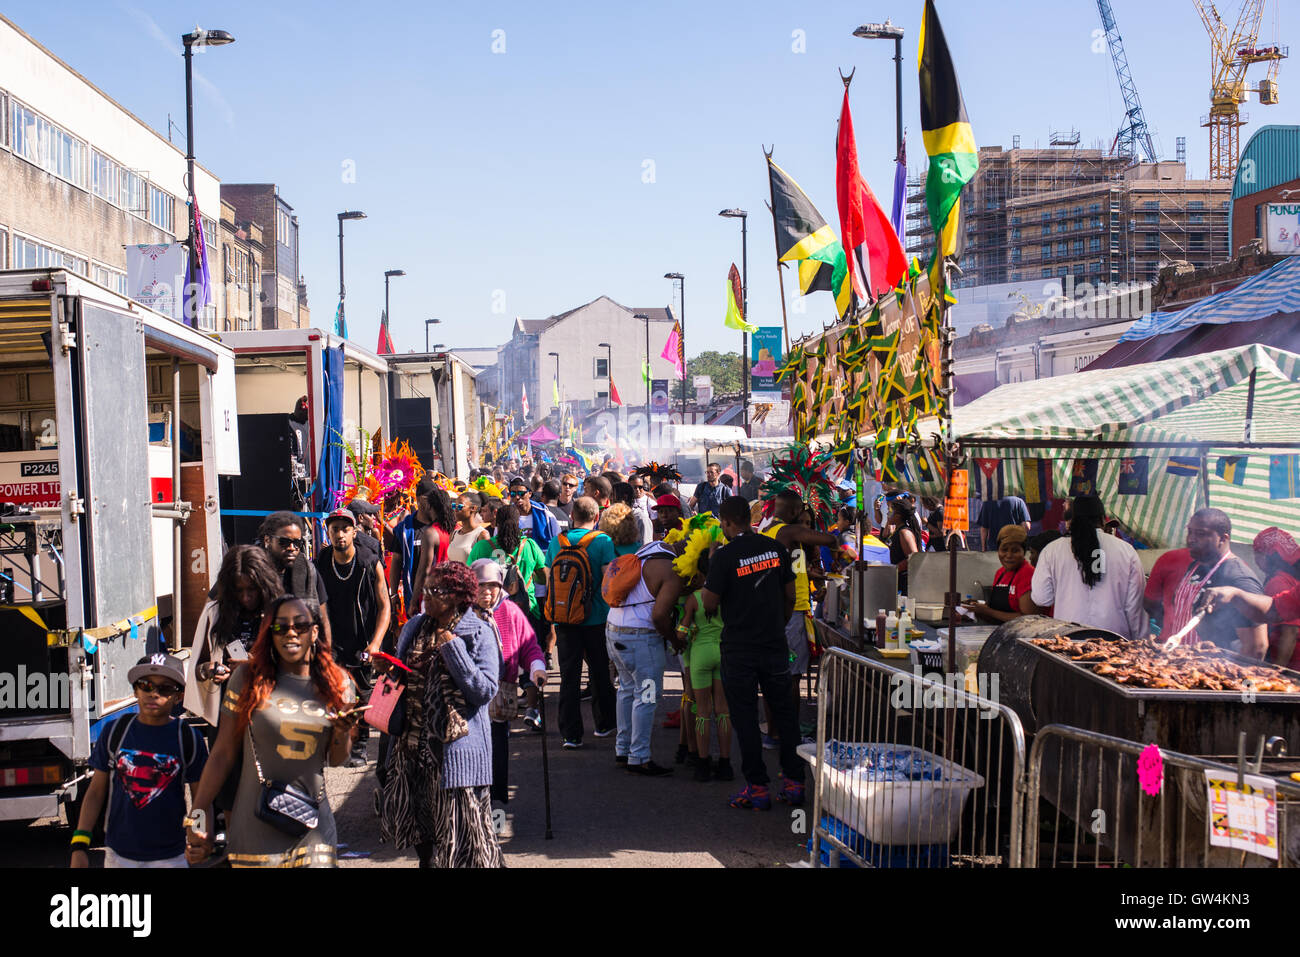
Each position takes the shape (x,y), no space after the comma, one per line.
(776,238)
(948,391)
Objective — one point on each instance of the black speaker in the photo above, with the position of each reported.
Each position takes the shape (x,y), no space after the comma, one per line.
(265,479)
(412,420)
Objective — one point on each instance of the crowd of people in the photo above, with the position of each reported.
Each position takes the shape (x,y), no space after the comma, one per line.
(465,601)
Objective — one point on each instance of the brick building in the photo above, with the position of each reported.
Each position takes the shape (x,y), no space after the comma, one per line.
(241,261)
(284,299)
(1269,172)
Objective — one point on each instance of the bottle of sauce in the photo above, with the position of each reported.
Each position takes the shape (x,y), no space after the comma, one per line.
(891,630)
(881,629)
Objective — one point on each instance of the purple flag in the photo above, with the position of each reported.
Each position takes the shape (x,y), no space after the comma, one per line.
(900,186)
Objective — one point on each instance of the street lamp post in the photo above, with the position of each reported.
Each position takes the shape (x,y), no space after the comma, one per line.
(199,38)
(609,372)
(642,315)
(427,324)
(682,279)
(557,380)
(887,31)
(743,216)
(346,214)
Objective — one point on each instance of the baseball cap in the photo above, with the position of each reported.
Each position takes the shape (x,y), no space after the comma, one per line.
(159,665)
(359,506)
(343,513)
(486,570)
(668,501)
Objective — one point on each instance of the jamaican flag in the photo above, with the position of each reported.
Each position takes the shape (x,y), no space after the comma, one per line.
(954,157)
(803,236)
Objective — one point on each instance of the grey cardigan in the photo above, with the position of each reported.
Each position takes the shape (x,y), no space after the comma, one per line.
(474,663)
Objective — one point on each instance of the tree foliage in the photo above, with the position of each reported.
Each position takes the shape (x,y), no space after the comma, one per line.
(723,368)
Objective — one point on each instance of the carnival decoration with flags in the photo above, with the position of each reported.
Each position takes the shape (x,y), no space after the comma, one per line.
(1133,475)
(673,351)
(1231,468)
(803,237)
(1284,476)
(876,260)
(735,317)
(949,141)
(523,402)
(1184,466)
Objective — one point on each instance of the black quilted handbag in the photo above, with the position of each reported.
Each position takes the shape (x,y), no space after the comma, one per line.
(286,807)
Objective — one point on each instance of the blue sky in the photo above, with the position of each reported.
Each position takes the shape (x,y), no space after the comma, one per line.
(514,181)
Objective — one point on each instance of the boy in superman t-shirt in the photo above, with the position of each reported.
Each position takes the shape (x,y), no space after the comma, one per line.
(141,763)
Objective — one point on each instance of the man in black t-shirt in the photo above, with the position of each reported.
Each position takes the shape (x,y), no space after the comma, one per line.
(358,606)
(751,580)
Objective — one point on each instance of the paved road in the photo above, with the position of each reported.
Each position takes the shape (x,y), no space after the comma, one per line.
(601,816)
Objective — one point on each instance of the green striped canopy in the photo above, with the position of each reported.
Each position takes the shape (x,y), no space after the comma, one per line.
(1189,407)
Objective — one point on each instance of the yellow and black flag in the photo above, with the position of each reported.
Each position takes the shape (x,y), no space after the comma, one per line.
(803,236)
(949,142)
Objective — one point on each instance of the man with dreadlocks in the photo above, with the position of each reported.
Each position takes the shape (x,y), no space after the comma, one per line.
(798,484)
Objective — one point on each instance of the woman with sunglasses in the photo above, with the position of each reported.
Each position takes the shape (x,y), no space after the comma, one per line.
(435,796)
(283,714)
(246,585)
(469,529)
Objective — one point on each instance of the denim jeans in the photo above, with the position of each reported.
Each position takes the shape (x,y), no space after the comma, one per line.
(638,654)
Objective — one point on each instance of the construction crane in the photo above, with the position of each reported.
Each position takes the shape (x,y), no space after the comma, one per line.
(1232,51)
(1134,134)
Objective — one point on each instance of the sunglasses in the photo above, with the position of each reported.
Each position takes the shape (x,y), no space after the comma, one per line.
(518,493)
(437,592)
(570,484)
(297,627)
(148,687)
(286,542)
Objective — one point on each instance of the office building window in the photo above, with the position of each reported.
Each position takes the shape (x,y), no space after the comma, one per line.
(162,210)
(109,277)
(50,147)
(4,119)
(602,368)
(282,235)
(31,254)
(602,398)
(1076,248)
(1062,248)
(4,248)
(1094,244)
(1045,274)
(1047,230)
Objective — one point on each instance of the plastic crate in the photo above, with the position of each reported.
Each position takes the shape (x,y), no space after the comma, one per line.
(878,855)
(902,812)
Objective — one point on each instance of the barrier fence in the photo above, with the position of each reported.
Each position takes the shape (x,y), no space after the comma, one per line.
(912,771)
(1086,807)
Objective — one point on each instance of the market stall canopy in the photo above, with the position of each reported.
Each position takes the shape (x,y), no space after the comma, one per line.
(540,434)
(1265,309)
(1164,426)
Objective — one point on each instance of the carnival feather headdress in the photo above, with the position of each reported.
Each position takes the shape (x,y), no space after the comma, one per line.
(656,472)
(806,473)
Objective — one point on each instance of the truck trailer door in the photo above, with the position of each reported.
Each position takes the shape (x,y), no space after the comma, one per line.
(101,397)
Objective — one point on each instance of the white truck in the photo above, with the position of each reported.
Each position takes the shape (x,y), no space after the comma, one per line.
(115,422)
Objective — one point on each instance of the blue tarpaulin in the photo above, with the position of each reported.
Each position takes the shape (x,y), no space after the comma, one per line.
(329,472)
(1276,290)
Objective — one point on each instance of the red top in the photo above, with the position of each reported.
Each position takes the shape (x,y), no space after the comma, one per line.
(1166,575)
(1284,589)
(1019,582)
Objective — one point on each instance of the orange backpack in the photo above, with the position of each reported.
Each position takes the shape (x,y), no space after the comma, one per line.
(621,576)
(571,586)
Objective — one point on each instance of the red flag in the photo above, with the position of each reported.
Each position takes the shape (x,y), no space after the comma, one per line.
(883,264)
(613,392)
(385,347)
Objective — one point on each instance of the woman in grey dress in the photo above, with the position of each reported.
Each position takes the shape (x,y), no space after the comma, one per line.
(285,711)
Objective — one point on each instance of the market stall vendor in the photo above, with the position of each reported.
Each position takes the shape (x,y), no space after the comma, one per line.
(1009,596)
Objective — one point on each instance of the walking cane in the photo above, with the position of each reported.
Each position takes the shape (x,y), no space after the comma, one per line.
(546,764)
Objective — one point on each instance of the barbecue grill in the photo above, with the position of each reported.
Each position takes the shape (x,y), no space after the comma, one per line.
(1044,688)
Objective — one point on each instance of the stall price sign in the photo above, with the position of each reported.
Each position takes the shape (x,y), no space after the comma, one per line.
(1244,818)
(956,508)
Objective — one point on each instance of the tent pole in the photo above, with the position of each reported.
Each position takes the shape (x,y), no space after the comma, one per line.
(1205,477)
(947,335)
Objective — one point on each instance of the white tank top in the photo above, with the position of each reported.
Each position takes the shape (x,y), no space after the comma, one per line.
(638,610)
(462,543)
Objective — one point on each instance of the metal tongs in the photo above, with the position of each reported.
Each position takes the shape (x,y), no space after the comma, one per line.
(1183,632)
